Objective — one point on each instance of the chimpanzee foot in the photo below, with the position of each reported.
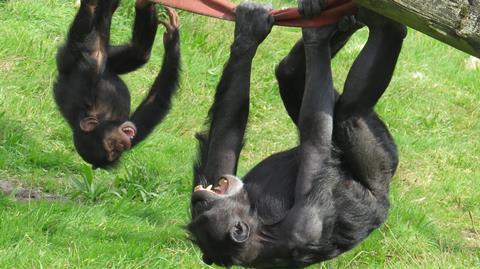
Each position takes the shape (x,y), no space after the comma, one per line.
(349,23)
(321,35)
(378,22)
(311,8)
(172,25)
(253,24)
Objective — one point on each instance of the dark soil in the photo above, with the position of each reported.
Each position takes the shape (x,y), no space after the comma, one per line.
(11,188)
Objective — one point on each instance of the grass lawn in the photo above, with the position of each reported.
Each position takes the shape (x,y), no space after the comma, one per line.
(134,216)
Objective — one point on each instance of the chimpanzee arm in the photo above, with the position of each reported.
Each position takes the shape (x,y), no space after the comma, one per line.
(229,112)
(316,112)
(229,115)
(156,105)
(129,57)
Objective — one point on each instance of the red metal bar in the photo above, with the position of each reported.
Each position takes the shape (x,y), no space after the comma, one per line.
(224,9)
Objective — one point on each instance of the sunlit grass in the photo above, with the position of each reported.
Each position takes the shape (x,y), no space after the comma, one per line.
(431,108)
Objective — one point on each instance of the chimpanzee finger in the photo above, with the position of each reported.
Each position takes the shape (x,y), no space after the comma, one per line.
(305,8)
(172,15)
(347,23)
(316,7)
(167,25)
(309,8)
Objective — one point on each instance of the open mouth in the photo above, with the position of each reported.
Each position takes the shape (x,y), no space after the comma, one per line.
(129,130)
(221,187)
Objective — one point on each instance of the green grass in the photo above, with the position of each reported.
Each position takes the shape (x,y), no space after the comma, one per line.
(431,108)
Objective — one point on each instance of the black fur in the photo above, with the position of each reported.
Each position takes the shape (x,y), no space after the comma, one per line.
(320,199)
(311,8)
(89,92)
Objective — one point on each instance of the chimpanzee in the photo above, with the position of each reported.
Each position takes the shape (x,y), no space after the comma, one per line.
(321,198)
(91,95)
(311,8)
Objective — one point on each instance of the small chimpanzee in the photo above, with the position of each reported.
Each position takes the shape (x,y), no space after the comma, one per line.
(315,201)
(89,92)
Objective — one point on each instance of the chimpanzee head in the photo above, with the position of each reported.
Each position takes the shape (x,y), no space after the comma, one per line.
(223,223)
(101,144)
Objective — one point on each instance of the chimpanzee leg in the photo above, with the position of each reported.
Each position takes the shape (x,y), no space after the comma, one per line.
(368,148)
(373,69)
(88,38)
(290,72)
(314,184)
(316,112)
(290,75)
(129,57)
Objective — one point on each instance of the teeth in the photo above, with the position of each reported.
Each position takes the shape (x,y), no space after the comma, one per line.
(129,129)
(209,188)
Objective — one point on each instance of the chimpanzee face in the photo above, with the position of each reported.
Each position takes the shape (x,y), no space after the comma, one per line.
(118,139)
(101,144)
(222,221)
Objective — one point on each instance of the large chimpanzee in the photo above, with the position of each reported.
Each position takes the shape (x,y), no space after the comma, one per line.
(91,95)
(315,201)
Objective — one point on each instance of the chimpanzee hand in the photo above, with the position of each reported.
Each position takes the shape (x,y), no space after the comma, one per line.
(253,24)
(171,36)
(311,8)
(142,3)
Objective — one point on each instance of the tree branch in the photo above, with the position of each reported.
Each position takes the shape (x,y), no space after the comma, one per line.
(455,22)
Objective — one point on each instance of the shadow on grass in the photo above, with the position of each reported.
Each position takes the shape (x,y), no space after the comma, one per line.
(19,150)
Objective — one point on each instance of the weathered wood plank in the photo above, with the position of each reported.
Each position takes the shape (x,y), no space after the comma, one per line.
(455,22)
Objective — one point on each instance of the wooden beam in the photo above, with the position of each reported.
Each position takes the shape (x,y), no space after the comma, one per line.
(455,22)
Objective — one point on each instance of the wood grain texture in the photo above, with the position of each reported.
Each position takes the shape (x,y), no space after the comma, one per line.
(455,22)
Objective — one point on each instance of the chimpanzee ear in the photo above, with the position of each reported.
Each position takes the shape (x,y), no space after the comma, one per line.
(88,124)
(207,260)
(240,232)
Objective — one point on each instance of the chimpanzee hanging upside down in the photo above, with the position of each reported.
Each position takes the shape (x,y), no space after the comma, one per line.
(89,92)
(315,201)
